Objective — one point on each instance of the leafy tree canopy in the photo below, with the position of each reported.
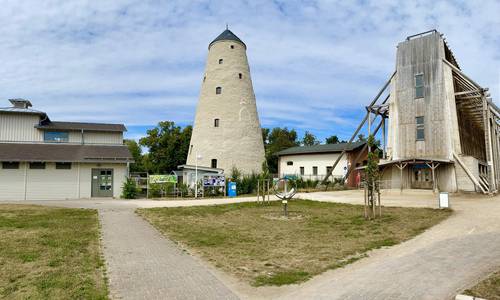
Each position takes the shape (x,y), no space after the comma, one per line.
(276,140)
(136,151)
(168,146)
(332,140)
(309,139)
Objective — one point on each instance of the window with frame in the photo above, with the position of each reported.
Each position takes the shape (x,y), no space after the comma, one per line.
(302,171)
(37,165)
(11,165)
(56,136)
(315,170)
(289,163)
(218,90)
(214,163)
(420,128)
(216,122)
(419,86)
(328,170)
(63,166)
(221,61)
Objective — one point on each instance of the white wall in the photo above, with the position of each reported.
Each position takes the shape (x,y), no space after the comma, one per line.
(55,184)
(19,128)
(308,161)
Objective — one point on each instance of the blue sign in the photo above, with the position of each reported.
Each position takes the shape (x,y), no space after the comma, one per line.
(231,189)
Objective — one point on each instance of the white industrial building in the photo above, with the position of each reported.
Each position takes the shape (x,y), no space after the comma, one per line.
(42,159)
(315,162)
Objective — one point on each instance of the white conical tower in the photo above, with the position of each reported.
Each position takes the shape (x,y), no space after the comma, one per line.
(226,129)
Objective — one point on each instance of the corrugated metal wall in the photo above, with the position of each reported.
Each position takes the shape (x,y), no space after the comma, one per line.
(103,138)
(19,128)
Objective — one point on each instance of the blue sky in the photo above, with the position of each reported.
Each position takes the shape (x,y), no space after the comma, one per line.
(314,64)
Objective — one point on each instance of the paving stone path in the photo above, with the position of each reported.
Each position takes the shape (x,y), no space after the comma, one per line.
(141,264)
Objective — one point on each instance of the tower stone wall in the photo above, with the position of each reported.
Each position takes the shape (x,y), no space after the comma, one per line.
(235,140)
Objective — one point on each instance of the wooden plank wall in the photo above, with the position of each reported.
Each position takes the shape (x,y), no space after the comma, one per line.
(421,56)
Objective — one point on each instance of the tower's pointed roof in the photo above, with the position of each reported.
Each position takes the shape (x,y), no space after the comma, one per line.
(227,35)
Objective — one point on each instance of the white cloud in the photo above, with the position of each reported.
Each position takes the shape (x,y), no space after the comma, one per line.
(315,64)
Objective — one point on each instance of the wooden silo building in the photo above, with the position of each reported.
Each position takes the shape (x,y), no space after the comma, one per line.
(443,129)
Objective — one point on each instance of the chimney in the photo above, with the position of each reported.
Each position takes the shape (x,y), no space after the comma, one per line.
(20,103)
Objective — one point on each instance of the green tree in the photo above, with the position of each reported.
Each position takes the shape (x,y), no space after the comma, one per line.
(276,140)
(309,139)
(168,146)
(361,138)
(332,140)
(265,135)
(372,177)
(136,151)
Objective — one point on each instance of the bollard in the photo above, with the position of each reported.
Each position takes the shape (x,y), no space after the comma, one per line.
(285,208)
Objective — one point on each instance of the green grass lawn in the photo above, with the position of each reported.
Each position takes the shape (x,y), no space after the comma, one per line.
(487,289)
(252,242)
(50,253)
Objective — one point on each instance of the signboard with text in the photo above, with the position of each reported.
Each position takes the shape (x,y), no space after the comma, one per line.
(162,179)
(214,180)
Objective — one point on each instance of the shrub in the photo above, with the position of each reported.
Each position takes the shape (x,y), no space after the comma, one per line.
(129,189)
(157,190)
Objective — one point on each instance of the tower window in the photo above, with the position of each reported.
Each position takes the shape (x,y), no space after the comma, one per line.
(232,46)
(218,90)
(289,163)
(204,77)
(214,163)
(240,75)
(216,122)
(420,128)
(221,61)
(419,86)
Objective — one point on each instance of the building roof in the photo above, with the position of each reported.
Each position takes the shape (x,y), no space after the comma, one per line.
(200,168)
(227,35)
(416,160)
(64,153)
(22,111)
(325,148)
(77,126)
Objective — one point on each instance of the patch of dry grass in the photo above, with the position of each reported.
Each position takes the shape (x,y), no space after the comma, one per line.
(242,239)
(487,289)
(50,253)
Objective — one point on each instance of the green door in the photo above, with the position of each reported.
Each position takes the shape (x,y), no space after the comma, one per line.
(102,182)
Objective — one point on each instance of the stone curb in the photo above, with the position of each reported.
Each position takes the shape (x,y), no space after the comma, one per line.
(465,297)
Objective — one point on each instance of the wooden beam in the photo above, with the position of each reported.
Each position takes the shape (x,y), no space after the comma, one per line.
(457,70)
(358,129)
(468,92)
(469,173)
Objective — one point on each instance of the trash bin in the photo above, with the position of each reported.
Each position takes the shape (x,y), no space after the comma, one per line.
(231,189)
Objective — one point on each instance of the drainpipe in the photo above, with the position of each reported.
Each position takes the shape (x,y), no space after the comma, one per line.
(25,180)
(78,181)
